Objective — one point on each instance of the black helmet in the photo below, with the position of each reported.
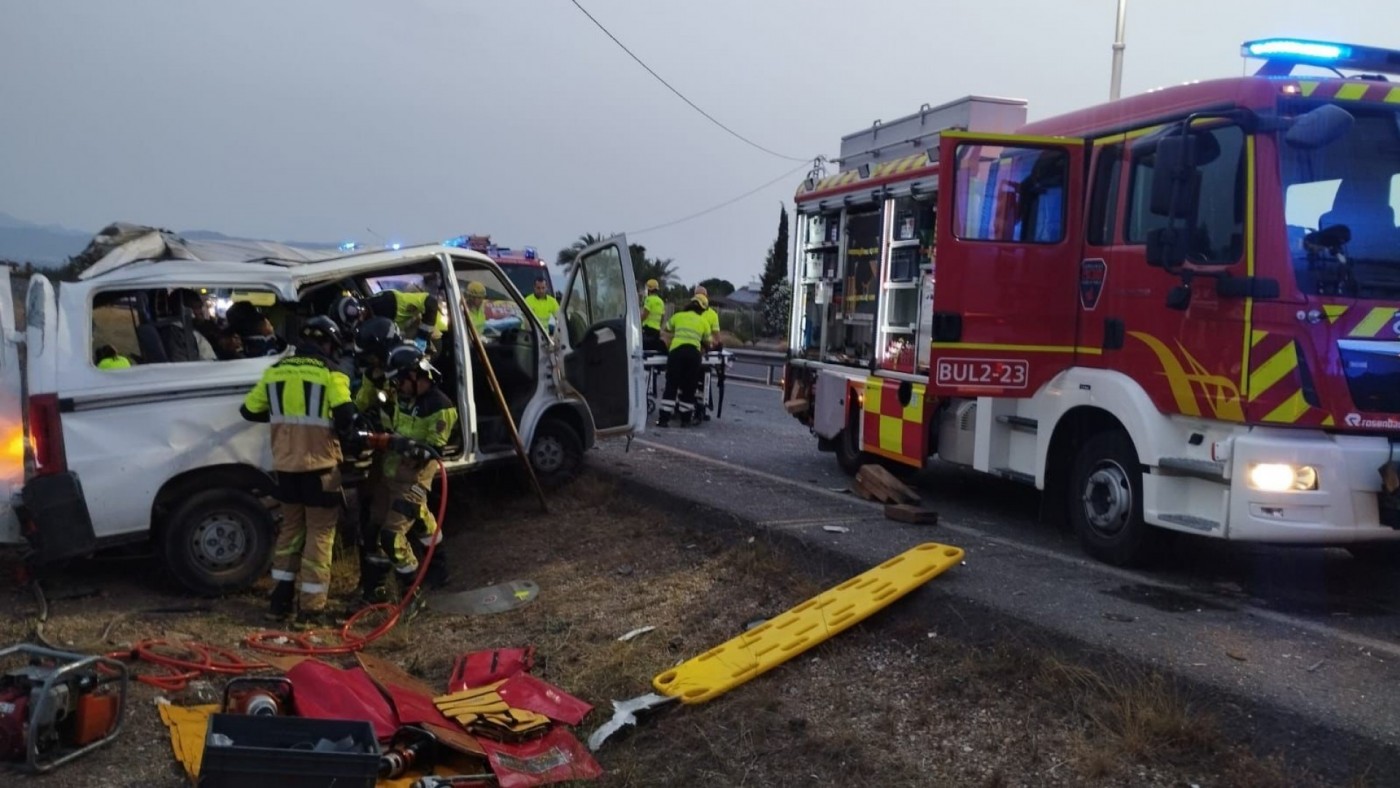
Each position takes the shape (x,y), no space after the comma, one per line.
(347,311)
(322,329)
(404,359)
(376,337)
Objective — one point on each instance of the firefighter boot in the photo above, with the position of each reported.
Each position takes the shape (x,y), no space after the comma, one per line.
(374,576)
(438,573)
(284,594)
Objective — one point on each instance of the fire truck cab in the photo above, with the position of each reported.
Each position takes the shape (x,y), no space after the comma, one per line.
(1179,310)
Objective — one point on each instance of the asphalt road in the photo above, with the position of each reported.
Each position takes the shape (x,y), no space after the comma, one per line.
(1311,630)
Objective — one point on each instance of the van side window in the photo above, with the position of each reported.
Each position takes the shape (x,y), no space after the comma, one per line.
(1103,199)
(1219,234)
(181,324)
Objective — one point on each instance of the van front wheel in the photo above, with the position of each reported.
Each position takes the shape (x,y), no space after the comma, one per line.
(219,541)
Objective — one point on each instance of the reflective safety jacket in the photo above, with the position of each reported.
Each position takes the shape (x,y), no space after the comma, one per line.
(544,308)
(712,320)
(375,399)
(308,404)
(416,314)
(430,419)
(477,316)
(114,362)
(656,311)
(688,328)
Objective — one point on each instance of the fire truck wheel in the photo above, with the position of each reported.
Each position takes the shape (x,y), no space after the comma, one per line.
(848,454)
(219,541)
(556,452)
(1105,501)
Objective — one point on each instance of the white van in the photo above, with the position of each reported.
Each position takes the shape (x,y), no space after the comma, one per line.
(97,457)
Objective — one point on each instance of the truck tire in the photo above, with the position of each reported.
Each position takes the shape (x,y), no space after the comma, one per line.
(848,453)
(219,541)
(1105,501)
(556,453)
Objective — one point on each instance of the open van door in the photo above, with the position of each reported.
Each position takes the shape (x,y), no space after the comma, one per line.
(12,440)
(602,319)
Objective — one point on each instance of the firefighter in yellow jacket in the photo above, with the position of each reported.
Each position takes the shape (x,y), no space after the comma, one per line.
(426,417)
(307,402)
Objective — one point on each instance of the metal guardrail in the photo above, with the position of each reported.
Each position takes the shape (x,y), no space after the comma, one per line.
(771,362)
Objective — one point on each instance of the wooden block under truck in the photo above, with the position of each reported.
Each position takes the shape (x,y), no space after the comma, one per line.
(1179,311)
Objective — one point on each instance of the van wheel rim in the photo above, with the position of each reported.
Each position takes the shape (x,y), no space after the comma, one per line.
(219,541)
(549,455)
(1108,498)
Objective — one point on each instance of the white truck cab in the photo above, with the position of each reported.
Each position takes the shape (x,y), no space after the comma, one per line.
(92,457)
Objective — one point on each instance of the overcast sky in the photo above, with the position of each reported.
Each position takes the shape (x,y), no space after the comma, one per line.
(423,119)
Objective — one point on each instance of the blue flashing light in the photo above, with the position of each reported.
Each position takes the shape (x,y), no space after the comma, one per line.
(348,246)
(530,253)
(396,246)
(460,242)
(1296,49)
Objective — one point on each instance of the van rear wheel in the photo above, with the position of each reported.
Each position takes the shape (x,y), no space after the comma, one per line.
(219,541)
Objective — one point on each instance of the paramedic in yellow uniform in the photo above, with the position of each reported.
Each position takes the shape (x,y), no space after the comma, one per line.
(542,303)
(653,311)
(307,403)
(689,332)
(474,304)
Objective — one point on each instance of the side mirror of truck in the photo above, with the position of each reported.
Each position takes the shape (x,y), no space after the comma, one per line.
(1176,181)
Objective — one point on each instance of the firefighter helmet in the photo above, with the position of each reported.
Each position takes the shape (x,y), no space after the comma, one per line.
(347,311)
(376,337)
(322,329)
(406,360)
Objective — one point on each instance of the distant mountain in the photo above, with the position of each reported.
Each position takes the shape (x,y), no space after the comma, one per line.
(43,245)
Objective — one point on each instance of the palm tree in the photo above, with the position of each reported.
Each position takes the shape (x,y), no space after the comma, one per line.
(567,256)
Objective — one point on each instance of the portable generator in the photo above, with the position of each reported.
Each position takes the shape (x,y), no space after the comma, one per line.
(58,705)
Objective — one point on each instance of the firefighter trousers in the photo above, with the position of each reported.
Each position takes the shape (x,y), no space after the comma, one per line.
(400,506)
(311,503)
(682,381)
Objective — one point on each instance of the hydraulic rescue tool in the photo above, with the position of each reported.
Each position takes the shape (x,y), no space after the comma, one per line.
(269,696)
(410,748)
(58,706)
(785,636)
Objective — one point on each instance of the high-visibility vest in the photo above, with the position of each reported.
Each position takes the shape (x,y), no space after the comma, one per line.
(299,394)
(656,311)
(687,328)
(544,308)
(429,419)
(114,362)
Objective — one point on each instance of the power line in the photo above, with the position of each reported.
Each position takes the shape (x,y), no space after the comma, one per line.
(681,95)
(726,203)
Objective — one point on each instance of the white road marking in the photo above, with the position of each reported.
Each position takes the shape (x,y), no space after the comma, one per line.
(1080,563)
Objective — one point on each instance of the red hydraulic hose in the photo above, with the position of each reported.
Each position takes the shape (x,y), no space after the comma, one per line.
(188,660)
(304,643)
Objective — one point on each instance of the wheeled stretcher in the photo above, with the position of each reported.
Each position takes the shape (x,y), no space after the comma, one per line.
(709,399)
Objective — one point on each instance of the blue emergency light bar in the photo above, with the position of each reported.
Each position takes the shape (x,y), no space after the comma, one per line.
(1282,54)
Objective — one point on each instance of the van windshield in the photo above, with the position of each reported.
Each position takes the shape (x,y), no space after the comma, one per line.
(524,276)
(1340,206)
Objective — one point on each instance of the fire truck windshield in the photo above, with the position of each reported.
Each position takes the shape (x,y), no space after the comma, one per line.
(1340,205)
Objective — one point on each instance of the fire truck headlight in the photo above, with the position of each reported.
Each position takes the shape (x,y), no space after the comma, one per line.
(1281,477)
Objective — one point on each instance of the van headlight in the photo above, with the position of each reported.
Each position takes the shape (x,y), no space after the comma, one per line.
(1282,477)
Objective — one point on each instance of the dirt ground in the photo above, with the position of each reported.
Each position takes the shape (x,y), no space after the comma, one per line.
(899,700)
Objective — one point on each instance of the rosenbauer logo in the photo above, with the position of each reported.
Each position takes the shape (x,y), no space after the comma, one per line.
(1355,420)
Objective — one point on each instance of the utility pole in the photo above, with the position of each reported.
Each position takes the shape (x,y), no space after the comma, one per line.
(1117,82)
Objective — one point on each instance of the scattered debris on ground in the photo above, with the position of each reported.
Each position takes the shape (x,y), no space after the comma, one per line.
(898,700)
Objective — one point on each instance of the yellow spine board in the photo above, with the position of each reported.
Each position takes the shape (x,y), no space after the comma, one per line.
(829,613)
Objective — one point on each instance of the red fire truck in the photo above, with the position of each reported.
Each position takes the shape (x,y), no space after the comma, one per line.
(1179,310)
(522,266)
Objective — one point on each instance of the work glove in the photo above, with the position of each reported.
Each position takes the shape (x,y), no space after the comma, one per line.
(412,450)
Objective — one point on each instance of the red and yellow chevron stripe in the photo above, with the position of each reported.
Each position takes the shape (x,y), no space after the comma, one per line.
(1338,90)
(890,428)
(1275,386)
